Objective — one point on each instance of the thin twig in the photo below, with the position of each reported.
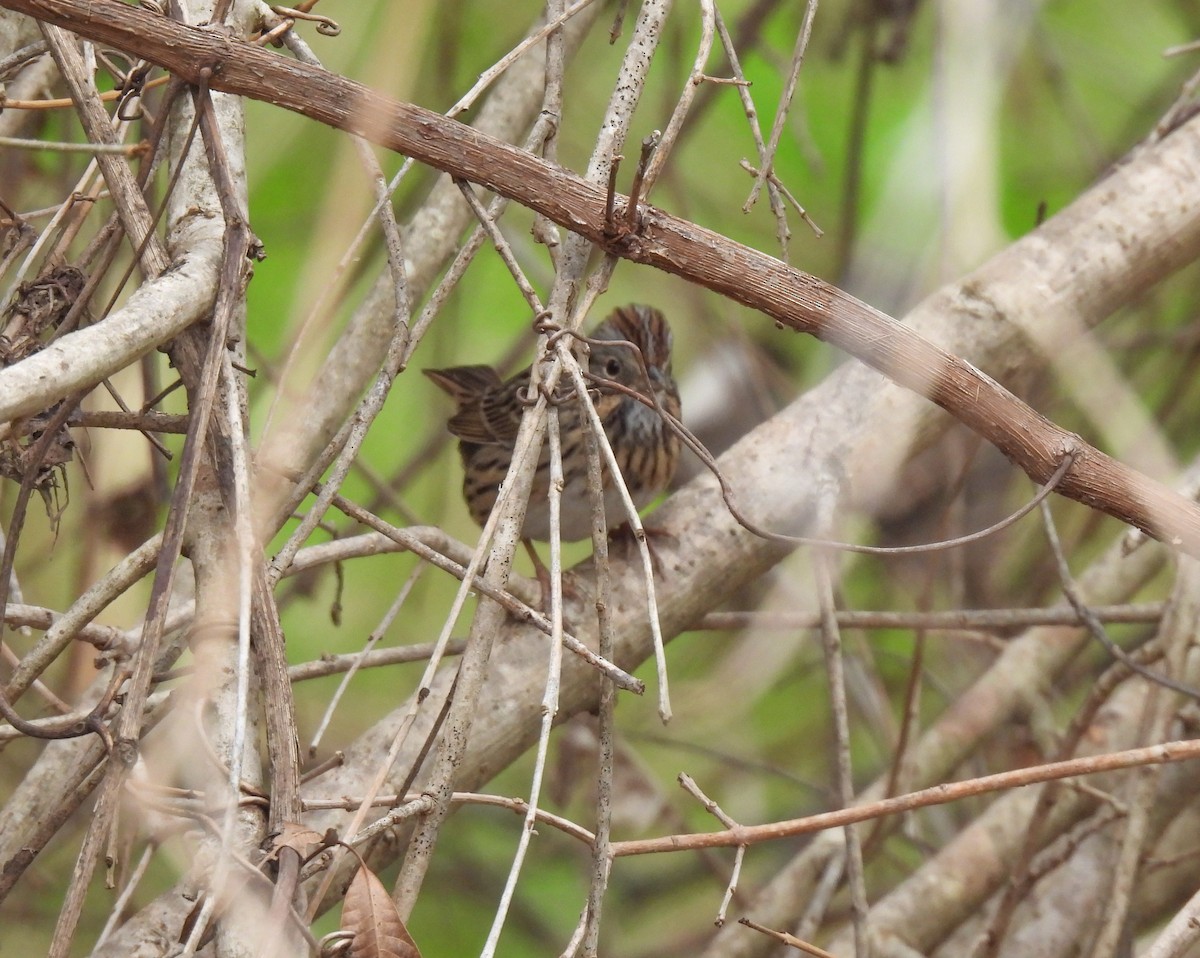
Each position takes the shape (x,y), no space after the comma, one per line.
(517,806)
(362,658)
(835,670)
(601,865)
(119,149)
(551,693)
(488,76)
(1180,751)
(635,524)
(784,938)
(789,91)
(689,785)
(1094,626)
(502,248)
(665,142)
(949,620)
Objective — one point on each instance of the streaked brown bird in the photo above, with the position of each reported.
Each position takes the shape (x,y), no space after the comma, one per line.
(646,448)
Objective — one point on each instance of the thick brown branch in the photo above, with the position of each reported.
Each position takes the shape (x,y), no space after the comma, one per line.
(701,256)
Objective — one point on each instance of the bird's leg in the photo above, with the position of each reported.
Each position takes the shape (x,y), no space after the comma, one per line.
(539,570)
(543,576)
(624,536)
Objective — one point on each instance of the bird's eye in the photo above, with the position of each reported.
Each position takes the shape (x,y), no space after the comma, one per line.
(612,367)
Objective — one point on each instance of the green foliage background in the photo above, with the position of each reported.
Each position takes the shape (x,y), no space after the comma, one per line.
(1086,80)
(1084,86)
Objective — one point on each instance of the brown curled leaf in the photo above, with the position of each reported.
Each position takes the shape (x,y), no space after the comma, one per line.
(371,915)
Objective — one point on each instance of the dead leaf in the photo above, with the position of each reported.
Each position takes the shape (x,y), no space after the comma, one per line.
(300,838)
(371,915)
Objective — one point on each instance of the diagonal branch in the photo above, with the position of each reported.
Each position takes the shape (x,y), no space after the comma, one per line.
(701,256)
